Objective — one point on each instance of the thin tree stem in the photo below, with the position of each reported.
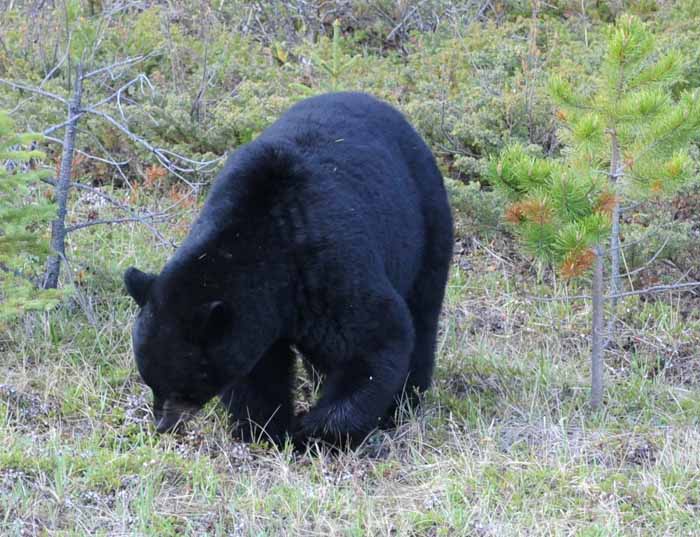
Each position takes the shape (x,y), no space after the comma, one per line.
(615,175)
(530,66)
(597,349)
(58,226)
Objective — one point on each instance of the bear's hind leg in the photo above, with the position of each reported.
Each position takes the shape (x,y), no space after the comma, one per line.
(261,403)
(425,318)
(425,304)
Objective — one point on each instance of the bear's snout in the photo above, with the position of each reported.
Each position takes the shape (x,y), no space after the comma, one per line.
(171,415)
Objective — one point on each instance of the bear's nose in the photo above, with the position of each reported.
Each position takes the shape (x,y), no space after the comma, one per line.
(172,416)
(168,423)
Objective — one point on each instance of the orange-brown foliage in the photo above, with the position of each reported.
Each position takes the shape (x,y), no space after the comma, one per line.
(577,262)
(182,196)
(134,194)
(153,175)
(606,203)
(536,211)
(514,213)
(78,159)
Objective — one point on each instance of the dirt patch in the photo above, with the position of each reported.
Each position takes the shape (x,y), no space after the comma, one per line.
(25,409)
(683,365)
(598,448)
(677,362)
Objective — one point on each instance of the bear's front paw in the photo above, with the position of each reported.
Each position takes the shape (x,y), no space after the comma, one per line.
(314,429)
(327,426)
(250,432)
(303,430)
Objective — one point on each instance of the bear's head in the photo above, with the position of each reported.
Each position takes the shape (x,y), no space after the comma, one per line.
(181,355)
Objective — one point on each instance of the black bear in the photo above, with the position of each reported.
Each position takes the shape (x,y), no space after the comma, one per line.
(331,232)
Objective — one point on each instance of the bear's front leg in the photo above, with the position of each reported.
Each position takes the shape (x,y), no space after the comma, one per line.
(260,404)
(357,394)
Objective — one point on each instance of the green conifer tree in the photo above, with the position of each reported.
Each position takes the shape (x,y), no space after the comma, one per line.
(24,218)
(625,139)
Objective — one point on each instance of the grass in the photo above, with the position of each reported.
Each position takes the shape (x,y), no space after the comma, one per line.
(504,444)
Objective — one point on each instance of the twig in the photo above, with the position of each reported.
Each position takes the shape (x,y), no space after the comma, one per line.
(598,314)
(48,131)
(493,254)
(403,21)
(119,205)
(55,68)
(660,289)
(109,159)
(121,63)
(140,219)
(647,291)
(649,233)
(456,147)
(161,154)
(645,265)
(118,93)
(32,89)
(89,155)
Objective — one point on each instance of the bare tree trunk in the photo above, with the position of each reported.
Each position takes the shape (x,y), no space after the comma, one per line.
(615,175)
(529,70)
(58,226)
(597,348)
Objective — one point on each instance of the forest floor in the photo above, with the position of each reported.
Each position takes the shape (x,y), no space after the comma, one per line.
(505,443)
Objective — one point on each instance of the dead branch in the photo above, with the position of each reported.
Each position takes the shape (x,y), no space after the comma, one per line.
(400,26)
(33,89)
(659,289)
(61,125)
(116,94)
(121,63)
(163,155)
(143,219)
(645,265)
(140,219)
(646,291)
(89,155)
(476,242)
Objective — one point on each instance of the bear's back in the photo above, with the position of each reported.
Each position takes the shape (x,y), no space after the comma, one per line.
(373,174)
(340,175)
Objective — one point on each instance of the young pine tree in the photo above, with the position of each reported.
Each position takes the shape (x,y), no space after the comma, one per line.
(23,226)
(334,69)
(625,139)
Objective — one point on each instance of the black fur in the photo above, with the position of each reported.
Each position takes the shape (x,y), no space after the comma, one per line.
(331,232)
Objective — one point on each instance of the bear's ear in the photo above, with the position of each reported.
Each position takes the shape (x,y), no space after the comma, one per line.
(138,284)
(212,320)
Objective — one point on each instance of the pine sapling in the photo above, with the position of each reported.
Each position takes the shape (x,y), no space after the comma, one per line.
(626,138)
(24,217)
